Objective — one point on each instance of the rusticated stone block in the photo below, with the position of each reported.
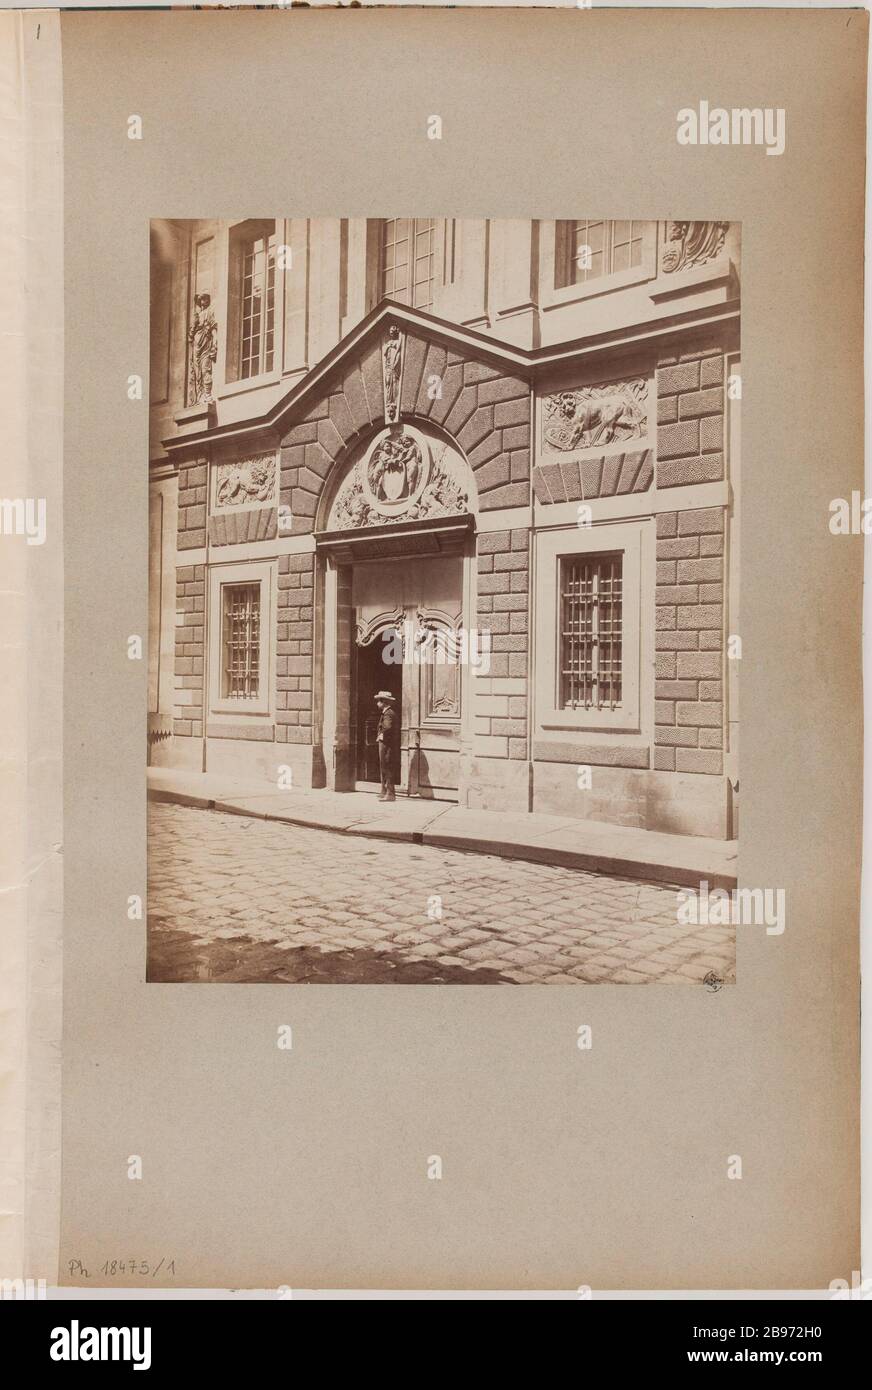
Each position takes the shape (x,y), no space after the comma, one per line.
(340,416)
(462,409)
(504,388)
(355,395)
(491,541)
(630,469)
(698,571)
(611,473)
(571,476)
(679,440)
(432,378)
(475,372)
(684,377)
(553,479)
(700,615)
(698,760)
(373,382)
(494,474)
(702,468)
(695,403)
(452,385)
(477,427)
(711,371)
(591,476)
(704,521)
(513,495)
(509,413)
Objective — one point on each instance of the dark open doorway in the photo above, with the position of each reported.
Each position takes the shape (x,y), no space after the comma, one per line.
(373,673)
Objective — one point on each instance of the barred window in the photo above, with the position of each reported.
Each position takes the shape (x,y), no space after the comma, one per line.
(406,260)
(240,628)
(589,249)
(257,319)
(591,613)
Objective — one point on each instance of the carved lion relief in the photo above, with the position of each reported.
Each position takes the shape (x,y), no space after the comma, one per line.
(593,416)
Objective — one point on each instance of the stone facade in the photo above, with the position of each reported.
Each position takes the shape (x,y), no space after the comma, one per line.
(515,472)
(294,647)
(690,418)
(190,648)
(503,609)
(689,727)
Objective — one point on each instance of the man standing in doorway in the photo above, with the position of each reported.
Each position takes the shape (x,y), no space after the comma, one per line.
(385,740)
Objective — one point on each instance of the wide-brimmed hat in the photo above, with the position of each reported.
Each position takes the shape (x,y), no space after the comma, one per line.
(384,695)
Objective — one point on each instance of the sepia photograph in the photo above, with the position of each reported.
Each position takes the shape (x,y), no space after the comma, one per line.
(444,565)
(377,594)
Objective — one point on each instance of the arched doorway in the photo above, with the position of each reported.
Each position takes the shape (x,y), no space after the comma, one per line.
(397,557)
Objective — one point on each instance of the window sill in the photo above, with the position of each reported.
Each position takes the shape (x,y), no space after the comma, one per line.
(262,733)
(241,709)
(604,284)
(249,383)
(602,722)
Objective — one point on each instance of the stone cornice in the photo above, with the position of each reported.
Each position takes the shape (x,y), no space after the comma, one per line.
(469,342)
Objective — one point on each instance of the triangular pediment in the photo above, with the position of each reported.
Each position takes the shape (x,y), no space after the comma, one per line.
(438,421)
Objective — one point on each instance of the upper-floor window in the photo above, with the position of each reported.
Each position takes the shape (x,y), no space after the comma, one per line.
(251,319)
(589,249)
(406,257)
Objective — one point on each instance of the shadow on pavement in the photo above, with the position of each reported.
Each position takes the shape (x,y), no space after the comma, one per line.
(177,957)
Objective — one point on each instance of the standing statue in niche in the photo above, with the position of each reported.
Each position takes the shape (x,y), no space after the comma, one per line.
(203,338)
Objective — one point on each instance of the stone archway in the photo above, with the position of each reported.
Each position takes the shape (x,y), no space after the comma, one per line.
(395,555)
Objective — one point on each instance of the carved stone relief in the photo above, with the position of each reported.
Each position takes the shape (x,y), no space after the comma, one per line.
(691,243)
(402,476)
(246,481)
(592,416)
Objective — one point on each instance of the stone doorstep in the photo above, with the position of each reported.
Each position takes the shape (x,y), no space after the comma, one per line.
(566,842)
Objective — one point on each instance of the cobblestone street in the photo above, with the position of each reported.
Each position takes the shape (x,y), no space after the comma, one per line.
(236,899)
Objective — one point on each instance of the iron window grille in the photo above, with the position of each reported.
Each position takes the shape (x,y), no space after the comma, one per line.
(407,254)
(241,641)
(611,247)
(257,344)
(591,617)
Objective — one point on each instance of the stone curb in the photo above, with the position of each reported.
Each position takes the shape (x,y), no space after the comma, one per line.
(591,861)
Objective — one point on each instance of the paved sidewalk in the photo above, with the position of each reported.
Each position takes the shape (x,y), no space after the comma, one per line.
(565,841)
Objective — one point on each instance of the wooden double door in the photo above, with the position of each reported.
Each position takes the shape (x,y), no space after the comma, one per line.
(408,641)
